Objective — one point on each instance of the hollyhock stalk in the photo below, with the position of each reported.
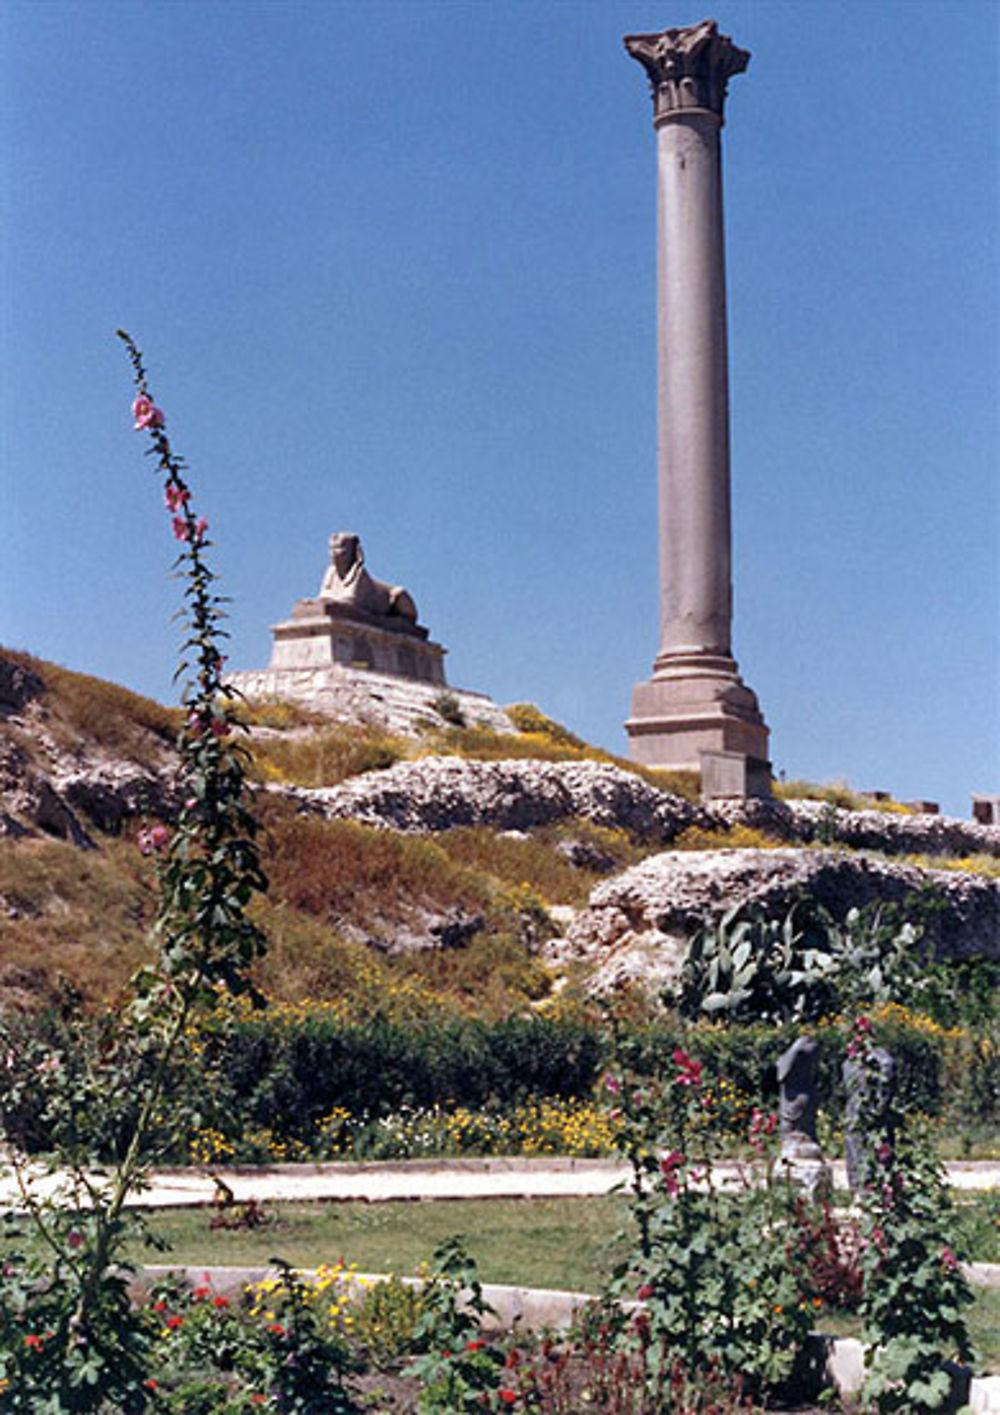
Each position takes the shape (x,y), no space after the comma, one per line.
(91,1354)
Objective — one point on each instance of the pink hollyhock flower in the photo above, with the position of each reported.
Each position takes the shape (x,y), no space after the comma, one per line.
(146,413)
(75,1238)
(948,1259)
(149,841)
(645,1292)
(176,497)
(180,528)
(201,528)
(612,1084)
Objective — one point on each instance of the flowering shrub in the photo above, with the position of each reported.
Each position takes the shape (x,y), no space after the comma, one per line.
(283,1346)
(711,1294)
(914,1290)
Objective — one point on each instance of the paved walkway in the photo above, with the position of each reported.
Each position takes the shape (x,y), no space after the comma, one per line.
(496,1178)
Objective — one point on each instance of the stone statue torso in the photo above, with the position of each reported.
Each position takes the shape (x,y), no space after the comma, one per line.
(348,583)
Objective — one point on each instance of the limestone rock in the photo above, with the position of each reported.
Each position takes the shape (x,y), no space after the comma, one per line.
(110,793)
(29,802)
(19,685)
(637,924)
(436,793)
(886,831)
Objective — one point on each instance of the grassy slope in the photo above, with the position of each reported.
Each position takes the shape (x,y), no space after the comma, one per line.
(86,916)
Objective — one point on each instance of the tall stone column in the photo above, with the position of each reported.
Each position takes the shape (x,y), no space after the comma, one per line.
(695,701)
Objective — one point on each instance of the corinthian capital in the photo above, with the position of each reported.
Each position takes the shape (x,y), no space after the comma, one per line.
(688,68)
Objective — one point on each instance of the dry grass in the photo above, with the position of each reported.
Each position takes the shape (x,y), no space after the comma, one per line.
(986,865)
(837,793)
(81,914)
(339,870)
(81,710)
(277,714)
(735,837)
(537,862)
(326,756)
(493,977)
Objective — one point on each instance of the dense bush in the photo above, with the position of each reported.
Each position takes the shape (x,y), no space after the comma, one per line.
(283,1069)
(287,1076)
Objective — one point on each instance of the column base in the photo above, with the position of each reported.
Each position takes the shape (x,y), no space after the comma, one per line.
(694,703)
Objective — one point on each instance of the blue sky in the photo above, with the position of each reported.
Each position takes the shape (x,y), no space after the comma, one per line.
(392,267)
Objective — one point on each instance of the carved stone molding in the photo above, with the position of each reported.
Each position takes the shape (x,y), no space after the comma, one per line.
(688,68)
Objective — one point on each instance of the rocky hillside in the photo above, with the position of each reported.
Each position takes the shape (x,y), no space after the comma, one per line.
(460,861)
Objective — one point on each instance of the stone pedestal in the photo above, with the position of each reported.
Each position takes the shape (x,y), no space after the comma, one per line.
(324,634)
(695,700)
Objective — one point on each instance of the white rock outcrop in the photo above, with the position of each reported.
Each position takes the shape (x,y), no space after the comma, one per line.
(437,793)
(637,924)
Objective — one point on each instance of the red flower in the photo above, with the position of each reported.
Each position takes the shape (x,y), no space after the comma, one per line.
(474,1345)
(151,1384)
(220,1302)
(200,1293)
(159,1306)
(180,528)
(277,1329)
(645,1292)
(949,1260)
(507,1396)
(668,1168)
(688,1070)
(34,1343)
(174,1322)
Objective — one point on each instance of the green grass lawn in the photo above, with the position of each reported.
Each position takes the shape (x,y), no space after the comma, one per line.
(562,1243)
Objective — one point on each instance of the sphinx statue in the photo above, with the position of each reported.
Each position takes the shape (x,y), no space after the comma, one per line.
(349,584)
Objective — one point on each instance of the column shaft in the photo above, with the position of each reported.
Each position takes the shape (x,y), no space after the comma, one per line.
(695,535)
